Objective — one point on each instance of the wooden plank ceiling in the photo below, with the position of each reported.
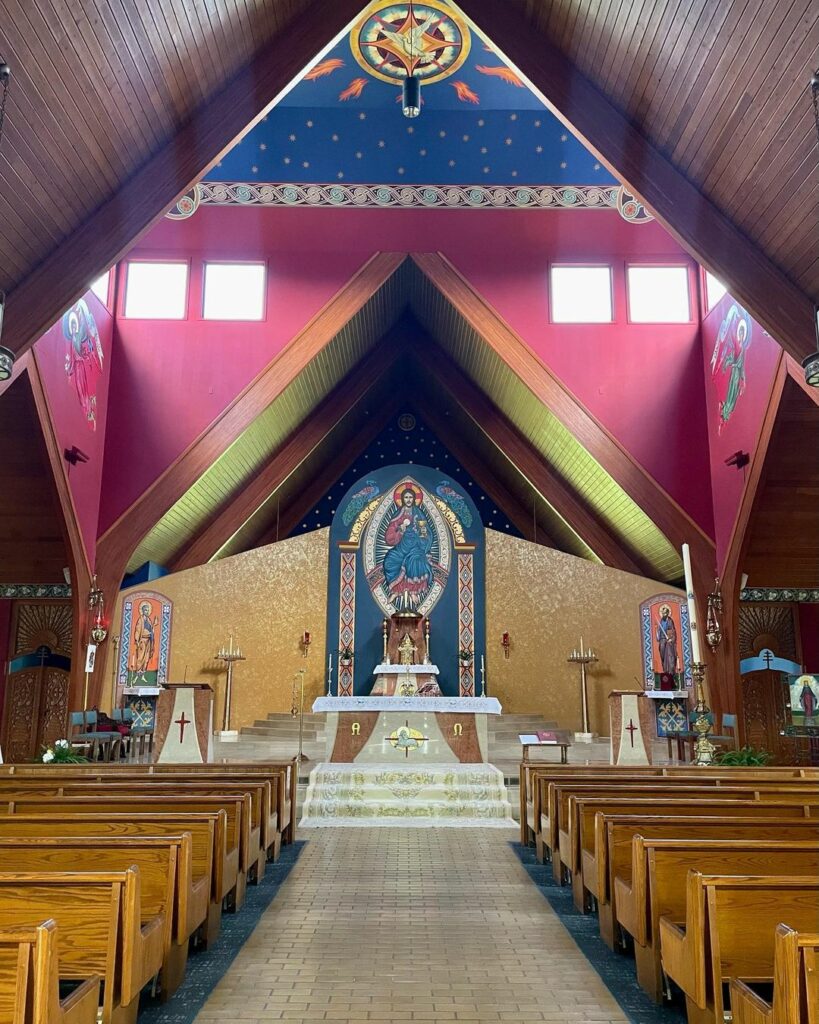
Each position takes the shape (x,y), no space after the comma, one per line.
(32,540)
(722,89)
(783,533)
(117,106)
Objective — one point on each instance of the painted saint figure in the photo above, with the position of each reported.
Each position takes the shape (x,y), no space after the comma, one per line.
(667,641)
(407,568)
(807,698)
(144,640)
(728,360)
(83,357)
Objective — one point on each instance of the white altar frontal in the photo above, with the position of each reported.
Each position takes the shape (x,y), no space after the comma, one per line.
(407,761)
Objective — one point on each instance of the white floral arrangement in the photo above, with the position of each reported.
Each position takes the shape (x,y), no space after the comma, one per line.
(61,752)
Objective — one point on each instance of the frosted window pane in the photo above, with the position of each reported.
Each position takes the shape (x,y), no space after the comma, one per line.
(658,295)
(156,291)
(714,290)
(234,291)
(581,295)
(100,287)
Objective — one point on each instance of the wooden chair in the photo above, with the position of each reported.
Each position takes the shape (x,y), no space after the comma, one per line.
(30,980)
(100,930)
(795,998)
(728,932)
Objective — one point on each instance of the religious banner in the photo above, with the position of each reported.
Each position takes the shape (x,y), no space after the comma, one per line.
(804,705)
(145,640)
(666,643)
(406,546)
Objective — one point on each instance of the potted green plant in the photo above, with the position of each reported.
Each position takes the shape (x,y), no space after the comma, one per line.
(749,757)
(345,656)
(60,752)
(465,656)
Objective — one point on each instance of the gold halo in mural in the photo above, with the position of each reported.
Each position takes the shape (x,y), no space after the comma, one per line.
(428,40)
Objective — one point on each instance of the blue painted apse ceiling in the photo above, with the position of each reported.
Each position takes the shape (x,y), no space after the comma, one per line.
(415,446)
(479,122)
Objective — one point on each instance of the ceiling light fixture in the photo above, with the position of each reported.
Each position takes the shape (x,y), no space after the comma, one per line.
(810,364)
(411,88)
(6,355)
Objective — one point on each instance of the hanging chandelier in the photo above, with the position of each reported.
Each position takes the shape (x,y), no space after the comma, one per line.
(6,355)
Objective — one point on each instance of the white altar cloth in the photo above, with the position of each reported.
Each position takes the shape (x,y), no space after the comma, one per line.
(469,705)
(405,670)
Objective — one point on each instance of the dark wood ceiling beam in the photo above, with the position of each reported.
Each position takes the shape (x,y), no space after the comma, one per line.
(516,448)
(65,274)
(340,402)
(699,225)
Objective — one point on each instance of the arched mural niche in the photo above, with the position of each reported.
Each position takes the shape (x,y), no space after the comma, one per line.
(406,538)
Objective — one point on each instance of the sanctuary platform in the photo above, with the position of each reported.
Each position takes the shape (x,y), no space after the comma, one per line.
(397,730)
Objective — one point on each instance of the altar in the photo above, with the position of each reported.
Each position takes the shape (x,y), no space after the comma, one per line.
(407,730)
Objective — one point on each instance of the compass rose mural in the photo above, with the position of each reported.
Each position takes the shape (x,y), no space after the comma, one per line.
(394,41)
(405,539)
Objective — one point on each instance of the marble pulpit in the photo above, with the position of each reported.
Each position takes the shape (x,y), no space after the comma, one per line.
(184,724)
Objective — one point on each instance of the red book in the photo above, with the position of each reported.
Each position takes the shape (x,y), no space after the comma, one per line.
(546,737)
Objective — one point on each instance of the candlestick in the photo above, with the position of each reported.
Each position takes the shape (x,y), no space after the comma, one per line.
(704,749)
(483,678)
(696,654)
(330,674)
(229,657)
(583,658)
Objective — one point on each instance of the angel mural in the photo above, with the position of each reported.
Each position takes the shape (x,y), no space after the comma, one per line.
(83,357)
(728,360)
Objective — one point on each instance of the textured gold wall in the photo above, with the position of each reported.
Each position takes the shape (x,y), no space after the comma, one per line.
(268,597)
(546,600)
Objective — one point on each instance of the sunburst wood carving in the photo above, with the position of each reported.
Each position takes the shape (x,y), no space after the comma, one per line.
(769,626)
(44,624)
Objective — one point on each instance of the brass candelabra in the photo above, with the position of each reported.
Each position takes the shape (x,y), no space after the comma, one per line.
(583,658)
(297,709)
(704,749)
(229,655)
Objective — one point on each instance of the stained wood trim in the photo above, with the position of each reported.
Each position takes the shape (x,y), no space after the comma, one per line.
(699,225)
(658,505)
(286,459)
(797,374)
(118,542)
(517,449)
(44,295)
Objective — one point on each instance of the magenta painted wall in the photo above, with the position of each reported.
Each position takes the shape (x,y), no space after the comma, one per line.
(70,423)
(644,383)
(741,431)
(809,634)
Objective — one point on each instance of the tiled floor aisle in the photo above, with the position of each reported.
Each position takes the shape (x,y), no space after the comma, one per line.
(409,925)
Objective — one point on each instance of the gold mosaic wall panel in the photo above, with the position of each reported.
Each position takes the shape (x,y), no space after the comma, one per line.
(546,600)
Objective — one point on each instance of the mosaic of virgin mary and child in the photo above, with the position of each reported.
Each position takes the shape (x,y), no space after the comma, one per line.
(408,571)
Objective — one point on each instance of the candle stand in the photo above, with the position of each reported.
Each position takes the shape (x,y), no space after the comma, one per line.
(704,749)
(583,658)
(297,709)
(229,655)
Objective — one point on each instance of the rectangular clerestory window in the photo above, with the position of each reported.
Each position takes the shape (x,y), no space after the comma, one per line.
(156,290)
(234,291)
(581,294)
(658,294)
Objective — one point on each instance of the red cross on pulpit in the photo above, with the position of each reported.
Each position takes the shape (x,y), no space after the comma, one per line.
(631,728)
(182,722)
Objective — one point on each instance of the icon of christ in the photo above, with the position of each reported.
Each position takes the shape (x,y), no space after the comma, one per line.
(407,566)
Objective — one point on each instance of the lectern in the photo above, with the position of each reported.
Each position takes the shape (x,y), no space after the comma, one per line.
(184,724)
(632,727)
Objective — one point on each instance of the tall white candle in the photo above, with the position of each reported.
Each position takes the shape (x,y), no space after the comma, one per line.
(481,663)
(692,604)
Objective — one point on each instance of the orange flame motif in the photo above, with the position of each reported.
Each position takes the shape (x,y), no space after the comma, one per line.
(353,90)
(465,94)
(505,73)
(324,67)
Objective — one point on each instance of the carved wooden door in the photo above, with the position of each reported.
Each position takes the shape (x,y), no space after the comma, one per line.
(765,713)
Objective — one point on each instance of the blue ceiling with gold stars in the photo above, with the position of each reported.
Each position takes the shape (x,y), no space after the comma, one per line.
(415,446)
(343,122)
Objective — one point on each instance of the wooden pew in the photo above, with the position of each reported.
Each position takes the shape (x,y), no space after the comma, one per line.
(229,880)
(30,980)
(283,777)
(530,805)
(199,908)
(100,930)
(614,832)
(659,865)
(586,810)
(795,986)
(158,859)
(728,932)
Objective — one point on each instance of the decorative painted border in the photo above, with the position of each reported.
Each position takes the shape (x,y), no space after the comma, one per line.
(810,596)
(647,634)
(346,621)
(466,623)
(463,197)
(19,590)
